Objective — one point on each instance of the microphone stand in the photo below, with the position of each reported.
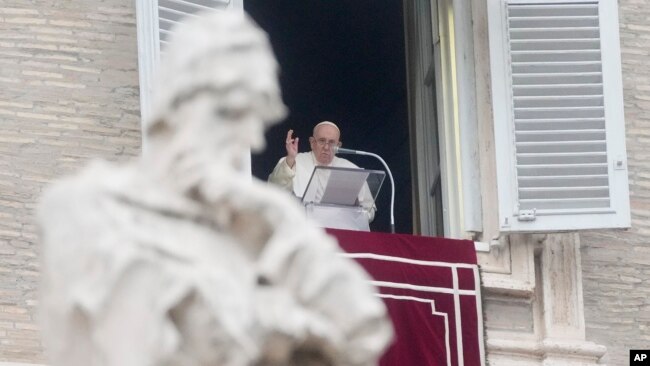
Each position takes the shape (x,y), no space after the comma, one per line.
(340,150)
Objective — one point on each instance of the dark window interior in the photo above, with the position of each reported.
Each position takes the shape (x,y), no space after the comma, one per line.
(343,61)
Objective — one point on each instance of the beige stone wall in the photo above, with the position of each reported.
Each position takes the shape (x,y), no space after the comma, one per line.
(616,265)
(68,93)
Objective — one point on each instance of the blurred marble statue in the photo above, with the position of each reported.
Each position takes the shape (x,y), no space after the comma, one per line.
(179,257)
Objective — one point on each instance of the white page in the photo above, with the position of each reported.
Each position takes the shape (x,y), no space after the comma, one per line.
(343,187)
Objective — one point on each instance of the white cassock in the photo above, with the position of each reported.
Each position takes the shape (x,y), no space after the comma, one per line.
(296,179)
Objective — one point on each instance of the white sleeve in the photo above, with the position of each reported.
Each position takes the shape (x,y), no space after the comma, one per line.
(283,175)
(366,201)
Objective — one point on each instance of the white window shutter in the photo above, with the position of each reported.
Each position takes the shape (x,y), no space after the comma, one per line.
(155,19)
(172,12)
(558,115)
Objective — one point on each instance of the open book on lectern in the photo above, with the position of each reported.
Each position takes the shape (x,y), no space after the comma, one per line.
(343,186)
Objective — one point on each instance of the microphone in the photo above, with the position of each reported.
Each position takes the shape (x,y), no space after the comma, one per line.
(339,150)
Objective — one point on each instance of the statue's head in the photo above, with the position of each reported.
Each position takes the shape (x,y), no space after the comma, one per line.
(218,88)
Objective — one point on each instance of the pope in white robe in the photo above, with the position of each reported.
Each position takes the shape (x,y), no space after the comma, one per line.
(293,172)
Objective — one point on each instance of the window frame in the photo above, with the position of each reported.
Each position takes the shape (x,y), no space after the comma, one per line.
(148,36)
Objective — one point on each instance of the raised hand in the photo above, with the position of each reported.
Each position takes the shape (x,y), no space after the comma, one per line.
(291,145)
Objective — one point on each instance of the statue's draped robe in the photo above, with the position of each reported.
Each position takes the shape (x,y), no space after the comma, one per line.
(135,274)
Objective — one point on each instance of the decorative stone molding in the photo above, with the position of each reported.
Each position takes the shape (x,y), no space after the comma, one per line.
(539,287)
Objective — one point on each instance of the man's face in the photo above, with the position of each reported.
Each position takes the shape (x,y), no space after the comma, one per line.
(324,139)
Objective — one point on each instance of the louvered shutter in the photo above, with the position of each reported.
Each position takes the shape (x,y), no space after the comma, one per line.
(558,115)
(155,20)
(172,12)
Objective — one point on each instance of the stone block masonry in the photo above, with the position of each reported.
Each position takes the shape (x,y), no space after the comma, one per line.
(68,93)
(616,264)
